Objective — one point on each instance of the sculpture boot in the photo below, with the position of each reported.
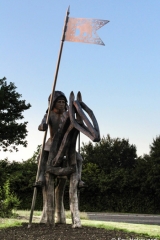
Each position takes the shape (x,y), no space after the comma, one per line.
(41,180)
(81,184)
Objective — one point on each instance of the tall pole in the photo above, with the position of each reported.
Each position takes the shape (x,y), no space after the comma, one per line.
(48,114)
(79,142)
(78,192)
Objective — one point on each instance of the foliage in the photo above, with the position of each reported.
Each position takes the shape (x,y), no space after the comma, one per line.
(117,179)
(154,168)
(8,201)
(21,176)
(12,131)
(4,171)
(155,148)
(110,153)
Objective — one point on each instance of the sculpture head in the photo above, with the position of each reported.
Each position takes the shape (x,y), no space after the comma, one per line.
(59,101)
(59,105)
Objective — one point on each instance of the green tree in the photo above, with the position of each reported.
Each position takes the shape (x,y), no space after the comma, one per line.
(154,168)
(108,168)
(12,131)
(110,153)
(21,177)
(4,171)
(155,148)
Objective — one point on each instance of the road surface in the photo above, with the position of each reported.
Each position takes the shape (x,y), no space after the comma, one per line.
(125,217)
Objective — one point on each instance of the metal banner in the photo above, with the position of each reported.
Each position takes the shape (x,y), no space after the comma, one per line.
(84,30)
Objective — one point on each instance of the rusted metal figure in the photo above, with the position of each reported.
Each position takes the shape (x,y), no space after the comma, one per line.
(60,159)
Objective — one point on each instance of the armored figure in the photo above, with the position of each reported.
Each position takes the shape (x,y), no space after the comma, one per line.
(59,110)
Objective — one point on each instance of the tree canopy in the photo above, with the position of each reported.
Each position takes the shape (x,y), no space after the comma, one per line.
(117,179)
(12,131)
(110,153)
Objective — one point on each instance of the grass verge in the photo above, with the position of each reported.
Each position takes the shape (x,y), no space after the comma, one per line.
(152,231)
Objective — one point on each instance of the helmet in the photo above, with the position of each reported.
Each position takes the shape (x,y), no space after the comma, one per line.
(57,94)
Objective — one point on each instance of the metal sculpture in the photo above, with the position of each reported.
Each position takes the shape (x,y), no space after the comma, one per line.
(87,34)
(62,162)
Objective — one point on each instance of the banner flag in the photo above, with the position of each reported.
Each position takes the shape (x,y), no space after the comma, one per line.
(84,30)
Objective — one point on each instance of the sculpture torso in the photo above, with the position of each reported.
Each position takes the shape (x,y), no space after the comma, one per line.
(54,121)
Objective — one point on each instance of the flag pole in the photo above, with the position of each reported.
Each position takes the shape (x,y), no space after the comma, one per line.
(48,114)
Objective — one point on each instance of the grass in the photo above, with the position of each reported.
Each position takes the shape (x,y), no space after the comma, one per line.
(150,230)
(10,222)
(23,216)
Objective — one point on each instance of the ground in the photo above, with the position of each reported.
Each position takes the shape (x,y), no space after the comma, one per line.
(63,232)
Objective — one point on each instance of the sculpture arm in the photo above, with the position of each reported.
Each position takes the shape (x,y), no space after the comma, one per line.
(43,126)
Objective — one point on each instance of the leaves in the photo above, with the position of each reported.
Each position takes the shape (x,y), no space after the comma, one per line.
(12,131)
(110,153)
(118,180)
(8,200)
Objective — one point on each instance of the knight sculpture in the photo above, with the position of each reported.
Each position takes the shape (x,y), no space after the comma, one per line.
(59,109)
(60,160)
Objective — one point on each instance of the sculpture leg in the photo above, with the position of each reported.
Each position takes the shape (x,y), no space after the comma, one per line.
(76,222)
(41,179)
(44,212)
(48,201)
(79,165)
(79,160)
(74,179)
(59,206)
(41,182)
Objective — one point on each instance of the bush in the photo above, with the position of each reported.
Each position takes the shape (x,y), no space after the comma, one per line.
(8,201)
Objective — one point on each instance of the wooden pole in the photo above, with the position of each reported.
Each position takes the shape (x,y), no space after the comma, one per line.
(48,114)
(79,142)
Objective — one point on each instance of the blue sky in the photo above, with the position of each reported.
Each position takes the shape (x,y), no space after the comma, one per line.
(120,81)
